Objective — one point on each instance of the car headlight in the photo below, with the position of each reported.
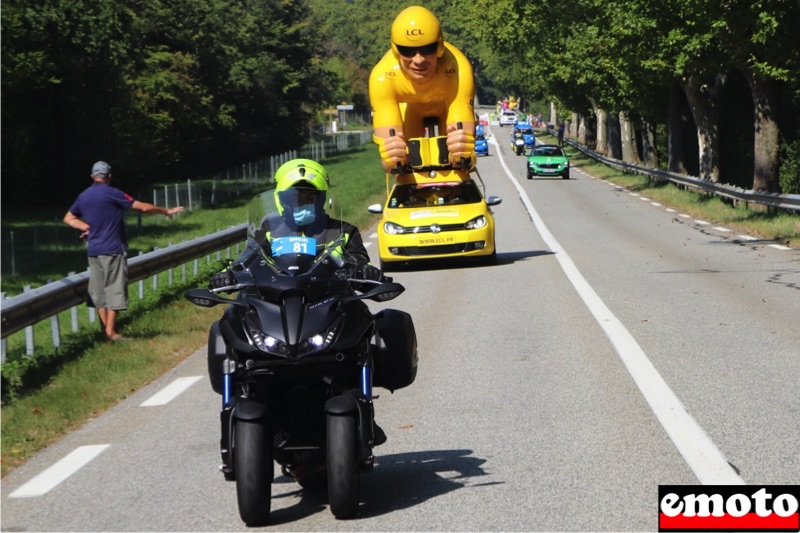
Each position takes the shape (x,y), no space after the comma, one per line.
(476,223)
(393,229)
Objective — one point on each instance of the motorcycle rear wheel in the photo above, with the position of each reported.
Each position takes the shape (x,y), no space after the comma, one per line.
(343,474)
(252,450)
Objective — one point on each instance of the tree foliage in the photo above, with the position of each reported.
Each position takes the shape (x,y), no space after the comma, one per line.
(159,88)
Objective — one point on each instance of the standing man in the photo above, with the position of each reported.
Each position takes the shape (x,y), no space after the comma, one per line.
(98,214)
(422,76)
(561,134)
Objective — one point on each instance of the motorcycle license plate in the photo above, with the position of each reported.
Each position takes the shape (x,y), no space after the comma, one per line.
(294,245)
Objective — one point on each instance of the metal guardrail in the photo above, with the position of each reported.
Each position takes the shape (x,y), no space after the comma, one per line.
(43,302)
(780,201)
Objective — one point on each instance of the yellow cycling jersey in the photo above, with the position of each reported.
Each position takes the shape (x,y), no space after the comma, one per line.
(395,100)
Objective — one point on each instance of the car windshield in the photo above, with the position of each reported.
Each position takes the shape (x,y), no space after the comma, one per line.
(435,194)
(480,137)
(549,151)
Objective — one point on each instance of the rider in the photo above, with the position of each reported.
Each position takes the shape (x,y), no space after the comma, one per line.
(301,187)
(421,76)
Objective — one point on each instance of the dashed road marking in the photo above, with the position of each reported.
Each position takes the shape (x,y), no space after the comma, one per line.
(50,478)
(170,392)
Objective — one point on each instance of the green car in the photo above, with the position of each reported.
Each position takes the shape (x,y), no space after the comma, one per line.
(548,160)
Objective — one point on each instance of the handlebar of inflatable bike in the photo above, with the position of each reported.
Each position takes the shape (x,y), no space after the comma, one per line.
(420,157)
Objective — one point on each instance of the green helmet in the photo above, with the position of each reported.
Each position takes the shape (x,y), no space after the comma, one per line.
(299,173)
(298,170)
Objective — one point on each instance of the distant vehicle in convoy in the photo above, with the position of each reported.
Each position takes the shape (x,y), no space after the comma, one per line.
(508,117)
(481,144)
(517,142)
(527,133)
(548,160)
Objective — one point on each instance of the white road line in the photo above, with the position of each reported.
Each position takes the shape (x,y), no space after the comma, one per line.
(170,392)
(747,238)
(50,478)
(720,228)
(700,453)
(779,247)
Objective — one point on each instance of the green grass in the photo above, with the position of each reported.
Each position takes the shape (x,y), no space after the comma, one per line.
(782,227)
(55,393)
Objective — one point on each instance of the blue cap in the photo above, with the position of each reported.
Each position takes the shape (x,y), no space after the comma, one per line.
(101,167)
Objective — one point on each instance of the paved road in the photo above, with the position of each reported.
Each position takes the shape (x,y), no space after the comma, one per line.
(615,347)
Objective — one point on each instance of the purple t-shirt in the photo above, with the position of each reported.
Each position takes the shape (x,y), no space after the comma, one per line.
(102,207)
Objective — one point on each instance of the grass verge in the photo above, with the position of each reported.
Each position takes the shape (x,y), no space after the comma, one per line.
(780,228)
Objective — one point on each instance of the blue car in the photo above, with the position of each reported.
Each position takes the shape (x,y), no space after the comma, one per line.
(481,144)
(527,133)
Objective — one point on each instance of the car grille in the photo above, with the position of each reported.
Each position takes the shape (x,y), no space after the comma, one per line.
(427,229)
(436,250)
(552,166)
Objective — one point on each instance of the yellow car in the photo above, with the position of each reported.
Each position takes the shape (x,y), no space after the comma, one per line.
(438,217)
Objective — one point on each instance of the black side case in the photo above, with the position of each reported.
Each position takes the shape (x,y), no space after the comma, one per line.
(395,350)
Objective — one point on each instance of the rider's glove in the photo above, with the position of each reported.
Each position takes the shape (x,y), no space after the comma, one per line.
(222,279)
(393,150)
(368,272)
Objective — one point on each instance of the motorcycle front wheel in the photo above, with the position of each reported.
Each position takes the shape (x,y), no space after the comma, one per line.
(343,472)
(252,450)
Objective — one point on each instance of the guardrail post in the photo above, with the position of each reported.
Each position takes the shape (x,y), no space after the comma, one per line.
(170,272)
(55,327)
(29,344)
(3,344)
(155,278)
(73,314)
(141,283)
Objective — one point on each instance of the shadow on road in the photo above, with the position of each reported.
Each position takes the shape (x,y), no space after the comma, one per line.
(399,481)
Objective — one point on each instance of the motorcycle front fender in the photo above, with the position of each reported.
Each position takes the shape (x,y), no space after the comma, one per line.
(249,410)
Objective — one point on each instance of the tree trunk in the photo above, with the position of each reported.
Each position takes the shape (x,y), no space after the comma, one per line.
(649,152)
(553,115)
(703,101)
(628,139)
(602,131)
(676,136)
(573,125)
(614,137)
(582,130)
(766,100)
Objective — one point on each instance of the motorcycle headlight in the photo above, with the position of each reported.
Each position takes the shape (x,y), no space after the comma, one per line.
(393,229)
(476,223)
(318,342)
(268,344)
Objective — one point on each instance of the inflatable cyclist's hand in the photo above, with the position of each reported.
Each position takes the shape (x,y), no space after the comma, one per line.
(393,151)
(460,144)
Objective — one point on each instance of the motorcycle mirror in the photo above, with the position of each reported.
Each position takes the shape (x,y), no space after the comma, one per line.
(206,298)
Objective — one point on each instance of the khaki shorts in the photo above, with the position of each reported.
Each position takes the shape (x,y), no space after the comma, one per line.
(108,281)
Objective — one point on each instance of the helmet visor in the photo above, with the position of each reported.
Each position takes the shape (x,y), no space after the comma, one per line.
(296,196)
(411,51)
